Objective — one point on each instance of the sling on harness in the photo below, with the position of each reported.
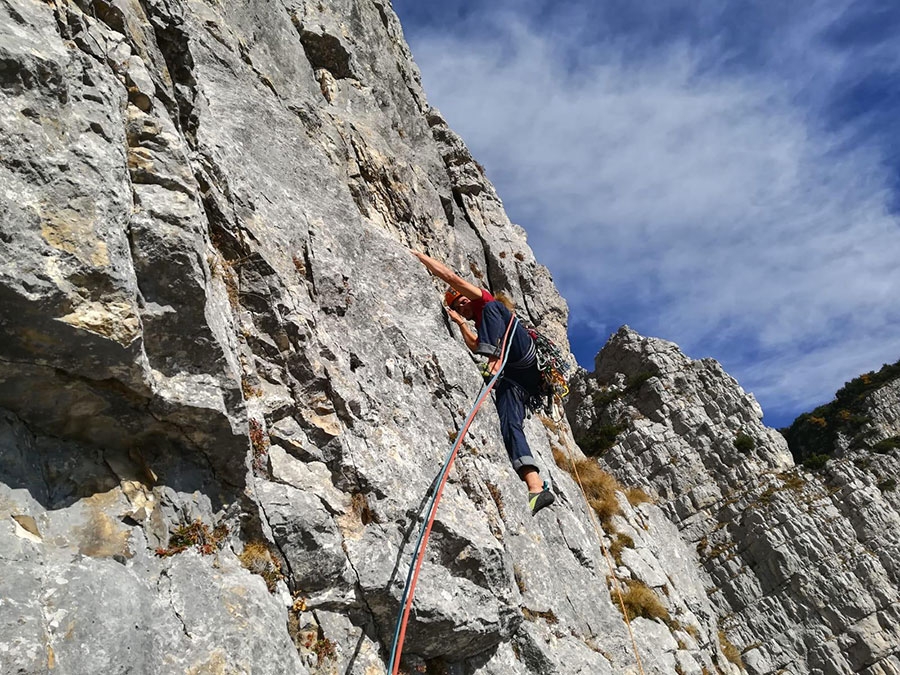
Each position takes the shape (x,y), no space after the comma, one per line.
(419,554)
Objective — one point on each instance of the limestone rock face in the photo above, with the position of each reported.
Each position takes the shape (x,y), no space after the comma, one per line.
(226,388)
(226,385)
(800,566)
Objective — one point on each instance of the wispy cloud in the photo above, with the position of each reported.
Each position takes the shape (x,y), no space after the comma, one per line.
(682,184)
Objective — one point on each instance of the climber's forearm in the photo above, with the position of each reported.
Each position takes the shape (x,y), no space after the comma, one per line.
(437,268)
(469,336)
(444,273)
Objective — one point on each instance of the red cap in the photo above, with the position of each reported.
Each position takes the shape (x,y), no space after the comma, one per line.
(450,296)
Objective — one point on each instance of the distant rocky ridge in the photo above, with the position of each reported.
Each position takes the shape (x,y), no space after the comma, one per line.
(801,566)
(226,387)
(864,415)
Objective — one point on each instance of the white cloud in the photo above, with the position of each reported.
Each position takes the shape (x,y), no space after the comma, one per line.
(702,206)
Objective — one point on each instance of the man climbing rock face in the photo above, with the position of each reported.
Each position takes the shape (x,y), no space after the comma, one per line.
(520,379)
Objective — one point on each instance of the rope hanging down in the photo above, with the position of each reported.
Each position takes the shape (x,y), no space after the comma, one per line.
(419,553)
(612,573)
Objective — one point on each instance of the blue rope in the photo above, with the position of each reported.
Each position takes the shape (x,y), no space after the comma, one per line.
(438,479)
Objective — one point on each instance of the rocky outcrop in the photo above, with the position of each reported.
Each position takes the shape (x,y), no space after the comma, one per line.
(800,566)
(226,388)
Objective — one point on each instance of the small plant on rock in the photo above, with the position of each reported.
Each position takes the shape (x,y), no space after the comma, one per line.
(640,600)
(259,444)
(324,650)
(497,496)
(322,647)
(743,442)
(360,505)
(258,559)
(197,534)
(249,390)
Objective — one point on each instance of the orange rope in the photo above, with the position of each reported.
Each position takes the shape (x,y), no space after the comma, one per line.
(421,553)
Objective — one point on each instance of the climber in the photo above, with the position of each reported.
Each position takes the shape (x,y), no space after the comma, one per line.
(520,379)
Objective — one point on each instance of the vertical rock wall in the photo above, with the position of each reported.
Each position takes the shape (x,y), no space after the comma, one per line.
(227,386)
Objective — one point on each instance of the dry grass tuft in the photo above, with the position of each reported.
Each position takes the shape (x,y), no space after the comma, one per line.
(232,287)
(360,505)
(636,495)
(731,652)
(520,581)
(533,615)
(551,424)
(600,488)
(259,560)
(640,600)
(619,544)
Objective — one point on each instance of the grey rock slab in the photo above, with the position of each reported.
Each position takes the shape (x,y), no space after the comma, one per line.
(307,535)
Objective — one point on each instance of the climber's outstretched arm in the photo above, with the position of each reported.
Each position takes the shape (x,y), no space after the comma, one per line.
(441,271)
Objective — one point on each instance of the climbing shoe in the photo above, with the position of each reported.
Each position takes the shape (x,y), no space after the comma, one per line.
(540,500)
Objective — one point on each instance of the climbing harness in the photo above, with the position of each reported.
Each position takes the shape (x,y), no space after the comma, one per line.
(609,561)
(441,480)
(554,370)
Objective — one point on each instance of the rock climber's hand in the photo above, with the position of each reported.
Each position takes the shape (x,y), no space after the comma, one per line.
(456,317)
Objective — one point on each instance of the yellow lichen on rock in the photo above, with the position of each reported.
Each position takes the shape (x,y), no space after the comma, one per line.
(71,229)
(114,320)
(101,536)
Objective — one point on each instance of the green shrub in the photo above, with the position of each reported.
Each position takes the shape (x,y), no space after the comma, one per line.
(743,442)
(816,433)
(887,445)
(888,485)
(815,462)
(632,384)
(599,439)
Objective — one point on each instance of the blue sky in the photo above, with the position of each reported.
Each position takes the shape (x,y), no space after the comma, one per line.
(722,175)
